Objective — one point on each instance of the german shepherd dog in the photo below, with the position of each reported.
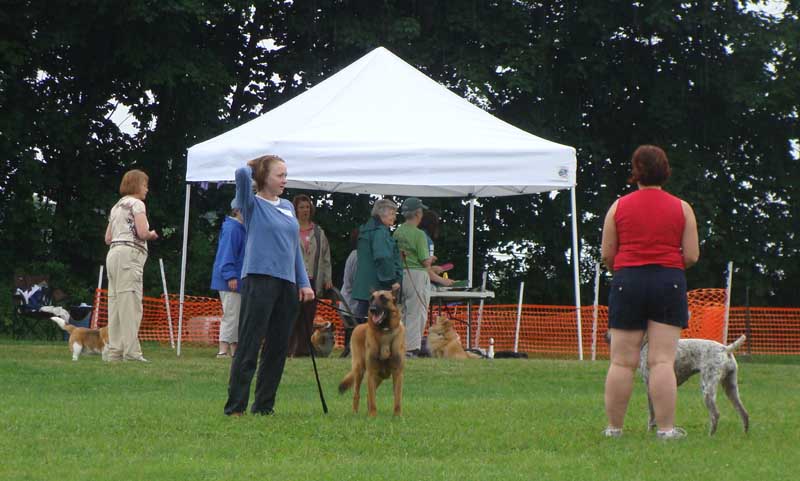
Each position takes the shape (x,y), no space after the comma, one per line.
(378,348)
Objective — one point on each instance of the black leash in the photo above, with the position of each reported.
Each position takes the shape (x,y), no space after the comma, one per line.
(343,311)
(316,375)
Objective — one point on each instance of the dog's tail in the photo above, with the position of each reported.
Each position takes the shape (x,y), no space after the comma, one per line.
(347,382)
(735,344)
(63,324)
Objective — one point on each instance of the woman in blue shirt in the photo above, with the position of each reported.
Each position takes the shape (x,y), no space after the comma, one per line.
(274,281)
(225,278)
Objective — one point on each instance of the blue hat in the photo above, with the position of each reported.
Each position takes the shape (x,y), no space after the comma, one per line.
(235,203)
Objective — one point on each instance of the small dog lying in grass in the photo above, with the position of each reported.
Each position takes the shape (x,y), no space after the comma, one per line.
(715,363)
(81,339)
(444,341)
(322,338)
(378,349)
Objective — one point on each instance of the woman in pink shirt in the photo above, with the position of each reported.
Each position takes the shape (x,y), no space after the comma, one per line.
(649,239)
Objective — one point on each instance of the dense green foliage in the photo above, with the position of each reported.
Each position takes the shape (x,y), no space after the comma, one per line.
(498,420)
(714,82)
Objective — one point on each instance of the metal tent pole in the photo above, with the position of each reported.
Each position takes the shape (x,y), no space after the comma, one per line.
(183,265)
(576,271)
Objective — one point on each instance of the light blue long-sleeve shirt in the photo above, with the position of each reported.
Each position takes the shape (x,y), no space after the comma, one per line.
(230,254)
(272,246)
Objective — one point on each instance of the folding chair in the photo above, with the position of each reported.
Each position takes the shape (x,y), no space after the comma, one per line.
(27,319)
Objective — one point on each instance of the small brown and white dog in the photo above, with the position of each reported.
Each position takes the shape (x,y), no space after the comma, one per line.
(322,338)
(444,341)
(378,349)
(81,339)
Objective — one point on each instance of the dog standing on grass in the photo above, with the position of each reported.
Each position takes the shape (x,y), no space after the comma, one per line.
(81,339)
(378,349)
(715,363)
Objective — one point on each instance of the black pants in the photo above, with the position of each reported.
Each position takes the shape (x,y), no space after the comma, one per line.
(269,306)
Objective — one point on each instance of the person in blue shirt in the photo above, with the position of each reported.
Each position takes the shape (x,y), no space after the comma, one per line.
(226,277)
(274,282)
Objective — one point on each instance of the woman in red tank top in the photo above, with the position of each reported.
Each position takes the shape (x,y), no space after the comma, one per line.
(649,239)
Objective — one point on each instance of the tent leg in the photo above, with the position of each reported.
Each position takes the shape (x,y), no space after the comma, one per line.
(183,264)
(471,247)
(576,271)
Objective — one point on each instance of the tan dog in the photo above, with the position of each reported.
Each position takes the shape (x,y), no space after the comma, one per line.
(322,338)
(444,341)
(93,341)
(378,348)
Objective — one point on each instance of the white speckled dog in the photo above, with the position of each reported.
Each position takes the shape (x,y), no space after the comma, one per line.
(715,363)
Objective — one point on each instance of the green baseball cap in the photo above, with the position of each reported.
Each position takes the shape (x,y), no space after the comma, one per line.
(411,204)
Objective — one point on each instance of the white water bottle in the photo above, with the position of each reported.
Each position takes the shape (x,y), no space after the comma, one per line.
(490,355)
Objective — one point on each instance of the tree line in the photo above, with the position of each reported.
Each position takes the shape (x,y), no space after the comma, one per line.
(715,83)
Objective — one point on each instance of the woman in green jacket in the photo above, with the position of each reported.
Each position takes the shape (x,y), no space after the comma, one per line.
(379,264)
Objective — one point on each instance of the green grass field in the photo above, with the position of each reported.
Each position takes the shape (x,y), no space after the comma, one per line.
(501,419)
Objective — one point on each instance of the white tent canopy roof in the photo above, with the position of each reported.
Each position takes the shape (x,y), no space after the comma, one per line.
(380,126)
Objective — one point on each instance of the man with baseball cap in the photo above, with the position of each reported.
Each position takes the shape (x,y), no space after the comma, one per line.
(416,283)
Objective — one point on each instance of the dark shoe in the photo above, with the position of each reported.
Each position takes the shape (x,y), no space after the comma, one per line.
(345,353)
(412,353)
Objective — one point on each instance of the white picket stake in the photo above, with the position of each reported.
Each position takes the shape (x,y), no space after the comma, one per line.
(96,307)
(166,303)
(727,303)
(519,317)
(594,311)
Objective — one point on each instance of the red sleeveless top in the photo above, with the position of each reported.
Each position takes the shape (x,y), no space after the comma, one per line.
(650,226)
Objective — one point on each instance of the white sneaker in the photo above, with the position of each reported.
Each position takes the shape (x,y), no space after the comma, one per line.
(137,359)
(610,432)
(674,433)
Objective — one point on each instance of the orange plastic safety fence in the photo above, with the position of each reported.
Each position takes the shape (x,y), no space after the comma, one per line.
(544,330)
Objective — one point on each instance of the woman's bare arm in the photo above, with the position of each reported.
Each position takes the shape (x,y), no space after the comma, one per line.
(610,243)
(690,245)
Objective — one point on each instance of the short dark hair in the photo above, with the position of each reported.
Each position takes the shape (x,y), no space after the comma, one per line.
(132,182)
(650,166)
(303,198)
(430,224)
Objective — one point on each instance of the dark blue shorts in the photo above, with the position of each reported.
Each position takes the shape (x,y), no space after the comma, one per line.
(647,293)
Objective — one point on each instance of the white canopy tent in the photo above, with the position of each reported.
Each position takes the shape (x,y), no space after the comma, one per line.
(380,126)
